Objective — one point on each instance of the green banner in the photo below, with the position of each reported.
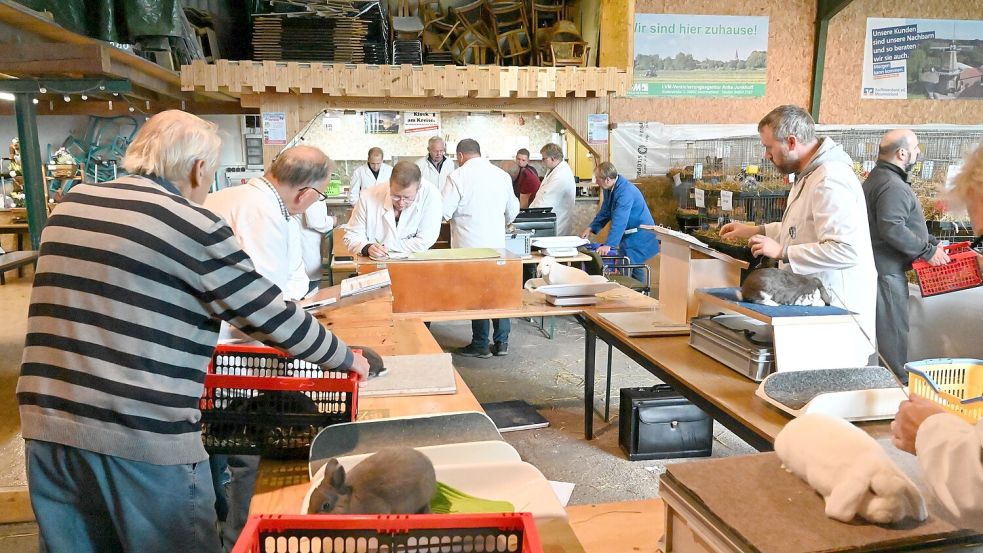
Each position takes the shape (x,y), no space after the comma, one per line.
(699,89)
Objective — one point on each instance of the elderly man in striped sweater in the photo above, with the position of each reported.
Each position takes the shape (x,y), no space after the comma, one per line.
(133,279)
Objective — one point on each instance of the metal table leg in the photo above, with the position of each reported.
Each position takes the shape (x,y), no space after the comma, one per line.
(590,346)
(607,392)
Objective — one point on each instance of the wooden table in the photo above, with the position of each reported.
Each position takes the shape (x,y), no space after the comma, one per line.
(367,320)
(20,230)
(724,394)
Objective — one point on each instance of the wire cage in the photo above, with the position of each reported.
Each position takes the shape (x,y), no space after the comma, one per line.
(705,171)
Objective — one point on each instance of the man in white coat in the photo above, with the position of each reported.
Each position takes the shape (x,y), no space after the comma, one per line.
(310,228)
(435,166)
(824,231)
(402,216)
(558,190)
(479,203)
(367,176)
(950,449)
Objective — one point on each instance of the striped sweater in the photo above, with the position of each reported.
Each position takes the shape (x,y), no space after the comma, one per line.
(131,283)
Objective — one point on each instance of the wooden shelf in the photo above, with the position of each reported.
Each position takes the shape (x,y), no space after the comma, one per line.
(403,81)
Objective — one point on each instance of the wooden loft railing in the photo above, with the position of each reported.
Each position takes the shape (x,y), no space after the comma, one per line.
(403,81)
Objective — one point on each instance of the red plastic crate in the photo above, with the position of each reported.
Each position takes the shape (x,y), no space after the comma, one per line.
(261,401)
(962,272)
(474,533)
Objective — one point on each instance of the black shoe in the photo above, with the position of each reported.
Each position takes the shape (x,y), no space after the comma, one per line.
(501,349)
(474,351)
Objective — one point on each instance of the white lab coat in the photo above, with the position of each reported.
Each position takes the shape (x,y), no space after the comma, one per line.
(253,212)
(430,173)
(479,202)
(363,179)
(559,191)
(949,453)
(310,228)
(373,221)
(825,234)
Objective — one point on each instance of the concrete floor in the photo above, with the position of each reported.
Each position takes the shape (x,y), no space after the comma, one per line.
(546,373)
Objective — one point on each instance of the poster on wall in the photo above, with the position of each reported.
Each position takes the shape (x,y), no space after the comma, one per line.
(699,56)
(381,122)
(937,59)
(416,122)
(597,128)
(274,128)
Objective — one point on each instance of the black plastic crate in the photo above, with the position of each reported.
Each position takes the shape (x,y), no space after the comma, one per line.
(260,401)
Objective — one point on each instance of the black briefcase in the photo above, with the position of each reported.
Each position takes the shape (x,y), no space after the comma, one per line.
(658,423)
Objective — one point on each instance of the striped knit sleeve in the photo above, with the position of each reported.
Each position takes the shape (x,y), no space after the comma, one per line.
(237,294)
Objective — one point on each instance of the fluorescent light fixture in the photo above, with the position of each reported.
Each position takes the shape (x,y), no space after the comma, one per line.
(6,96)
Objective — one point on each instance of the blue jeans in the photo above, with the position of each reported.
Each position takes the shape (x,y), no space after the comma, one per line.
(479,331)
(234,479)
(86,502)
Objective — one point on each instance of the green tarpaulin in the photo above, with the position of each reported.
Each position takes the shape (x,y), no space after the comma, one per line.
(123,21)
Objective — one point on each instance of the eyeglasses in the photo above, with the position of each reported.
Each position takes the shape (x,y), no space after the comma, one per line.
(400,199)
(319,193)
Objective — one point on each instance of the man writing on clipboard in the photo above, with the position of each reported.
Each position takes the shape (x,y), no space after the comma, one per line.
(402,216)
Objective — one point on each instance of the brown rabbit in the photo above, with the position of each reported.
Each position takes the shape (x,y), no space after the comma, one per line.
(394,480)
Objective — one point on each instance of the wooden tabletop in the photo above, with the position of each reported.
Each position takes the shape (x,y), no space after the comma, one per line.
(716,383)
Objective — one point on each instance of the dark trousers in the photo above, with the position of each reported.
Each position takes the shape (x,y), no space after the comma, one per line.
(479,331)
(892,322)
(235,480)
(86,502)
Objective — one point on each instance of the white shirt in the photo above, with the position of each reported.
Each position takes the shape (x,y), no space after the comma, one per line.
(479,202)
(430,173)
(373,221)
(949,454)
(253,211)
(363,179)
(559,191)
(310,228)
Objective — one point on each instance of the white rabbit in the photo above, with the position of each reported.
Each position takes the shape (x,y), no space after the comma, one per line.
(554,272)
(849,469)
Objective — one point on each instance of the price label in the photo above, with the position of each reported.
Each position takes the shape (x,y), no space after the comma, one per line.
(726,200)
(676,179)
(701,200)
(928,169)
(698,171)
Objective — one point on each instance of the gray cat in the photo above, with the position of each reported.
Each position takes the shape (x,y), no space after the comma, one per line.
(780,287)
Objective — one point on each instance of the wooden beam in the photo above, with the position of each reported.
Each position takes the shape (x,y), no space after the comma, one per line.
(54,59)
(323,101)
(572,114)
(120,107)
(32,27)
(617,34)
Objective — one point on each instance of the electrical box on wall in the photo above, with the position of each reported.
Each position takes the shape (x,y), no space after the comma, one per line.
(252,141)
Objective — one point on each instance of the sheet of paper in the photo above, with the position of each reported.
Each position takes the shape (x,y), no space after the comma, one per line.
(455,253)
(726,200)
(413,375)
(364,283)
(563,491)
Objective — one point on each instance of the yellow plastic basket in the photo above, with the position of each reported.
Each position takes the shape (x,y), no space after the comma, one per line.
(955,384)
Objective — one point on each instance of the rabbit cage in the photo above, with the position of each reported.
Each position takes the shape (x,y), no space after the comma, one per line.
(942,153)
(717,180)
(722,179)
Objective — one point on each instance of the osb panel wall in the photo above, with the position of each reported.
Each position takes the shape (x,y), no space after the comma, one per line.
(791,35)
(841,102)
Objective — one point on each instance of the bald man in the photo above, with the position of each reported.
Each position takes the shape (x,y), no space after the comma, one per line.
(898,236)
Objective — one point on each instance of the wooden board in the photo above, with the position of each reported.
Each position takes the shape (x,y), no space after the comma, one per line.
(431,286)
(413,375)
(771,510)
(644,323)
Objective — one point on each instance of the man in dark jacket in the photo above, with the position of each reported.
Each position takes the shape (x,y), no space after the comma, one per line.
(898,236)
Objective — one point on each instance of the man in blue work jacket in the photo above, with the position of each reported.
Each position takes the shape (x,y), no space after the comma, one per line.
(625,208)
